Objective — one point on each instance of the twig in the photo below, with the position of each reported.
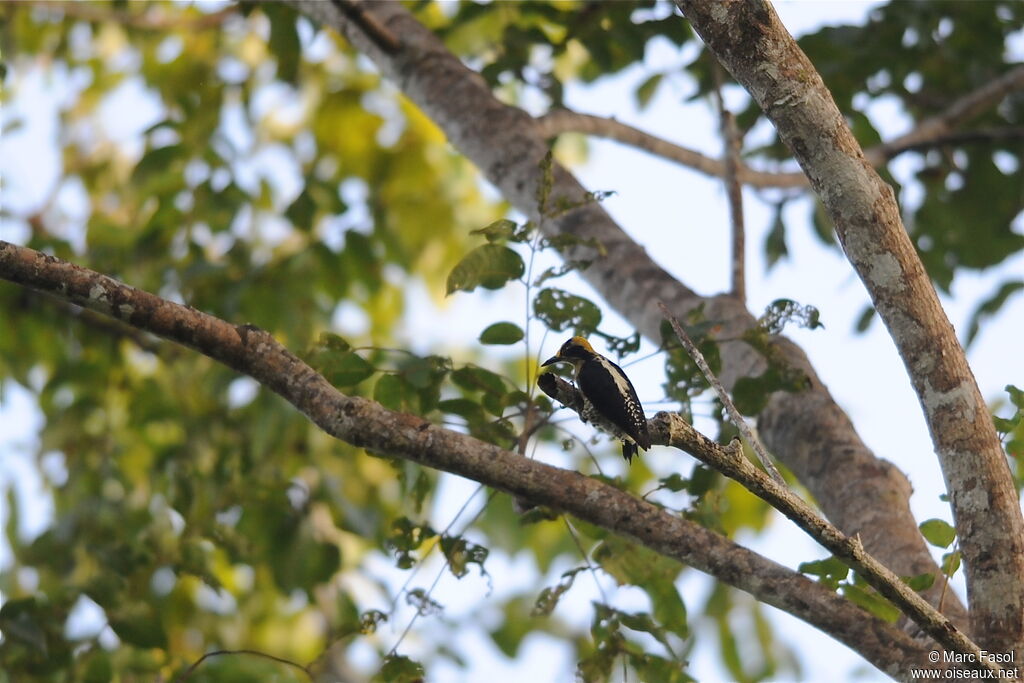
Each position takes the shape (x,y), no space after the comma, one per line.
(444,567)
(994,134)
(961,111)
(733,189)
(379,34)
(255,653)
(723,395)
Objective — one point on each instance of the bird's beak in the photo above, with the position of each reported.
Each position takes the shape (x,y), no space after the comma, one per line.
(549,361)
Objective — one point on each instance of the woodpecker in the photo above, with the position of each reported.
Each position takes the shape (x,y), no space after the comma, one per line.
(609,399)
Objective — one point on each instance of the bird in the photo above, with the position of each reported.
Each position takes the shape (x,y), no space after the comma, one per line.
(609,399)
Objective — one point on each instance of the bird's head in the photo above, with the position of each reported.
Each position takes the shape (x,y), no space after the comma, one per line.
(573,351)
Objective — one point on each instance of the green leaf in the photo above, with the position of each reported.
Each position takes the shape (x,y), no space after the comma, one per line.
(668,606)
(702,480)
(920,582)
(775,241)
(475,378)
(499,231)
(502,333)
(21,619)
(950,563)
(399,669)
(560,310)
(991,306)
(674,482)
(1005,425)
(782,311)
(646,90)
(865,318)
(406,537)
(938,532)
(284,40)
(750,394)
(391,392)
(347,369)
(489,266)
(872,602)
(99,668)
(463,407)
(549,596)
(515,625)
(1016,396)
(157,166)
(139,625)
(461,553)
(302,211)
(830,571)
(334,342)
(823,224)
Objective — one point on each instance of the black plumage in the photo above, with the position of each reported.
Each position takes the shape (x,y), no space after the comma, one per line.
(609,399)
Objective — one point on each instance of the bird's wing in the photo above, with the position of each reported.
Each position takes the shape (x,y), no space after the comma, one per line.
(603,383)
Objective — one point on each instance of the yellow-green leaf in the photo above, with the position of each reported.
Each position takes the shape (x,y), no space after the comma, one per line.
(489,266)
(501,333)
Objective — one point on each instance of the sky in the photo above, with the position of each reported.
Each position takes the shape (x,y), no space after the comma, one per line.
(681,218)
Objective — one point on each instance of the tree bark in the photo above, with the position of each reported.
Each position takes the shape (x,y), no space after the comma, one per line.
(750,40)
(807,431)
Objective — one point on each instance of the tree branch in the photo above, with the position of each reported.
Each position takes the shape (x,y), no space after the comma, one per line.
(364,423)
(806,431)
(559,121)
(670,429)
(355,11)
(940,126)
(751,42)
(723,396)
(931,132)
(892,150)
(733,188)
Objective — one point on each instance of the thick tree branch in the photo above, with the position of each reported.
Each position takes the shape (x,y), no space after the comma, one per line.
(751,42)
(806,431)
(355,11)
(670,429)
(367,424)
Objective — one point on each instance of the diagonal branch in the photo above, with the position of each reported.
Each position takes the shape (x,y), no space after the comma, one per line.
(807,431)
(364,423)
(749,39)
(670,429)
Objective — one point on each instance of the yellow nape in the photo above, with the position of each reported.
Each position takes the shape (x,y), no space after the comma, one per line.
(582,342)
